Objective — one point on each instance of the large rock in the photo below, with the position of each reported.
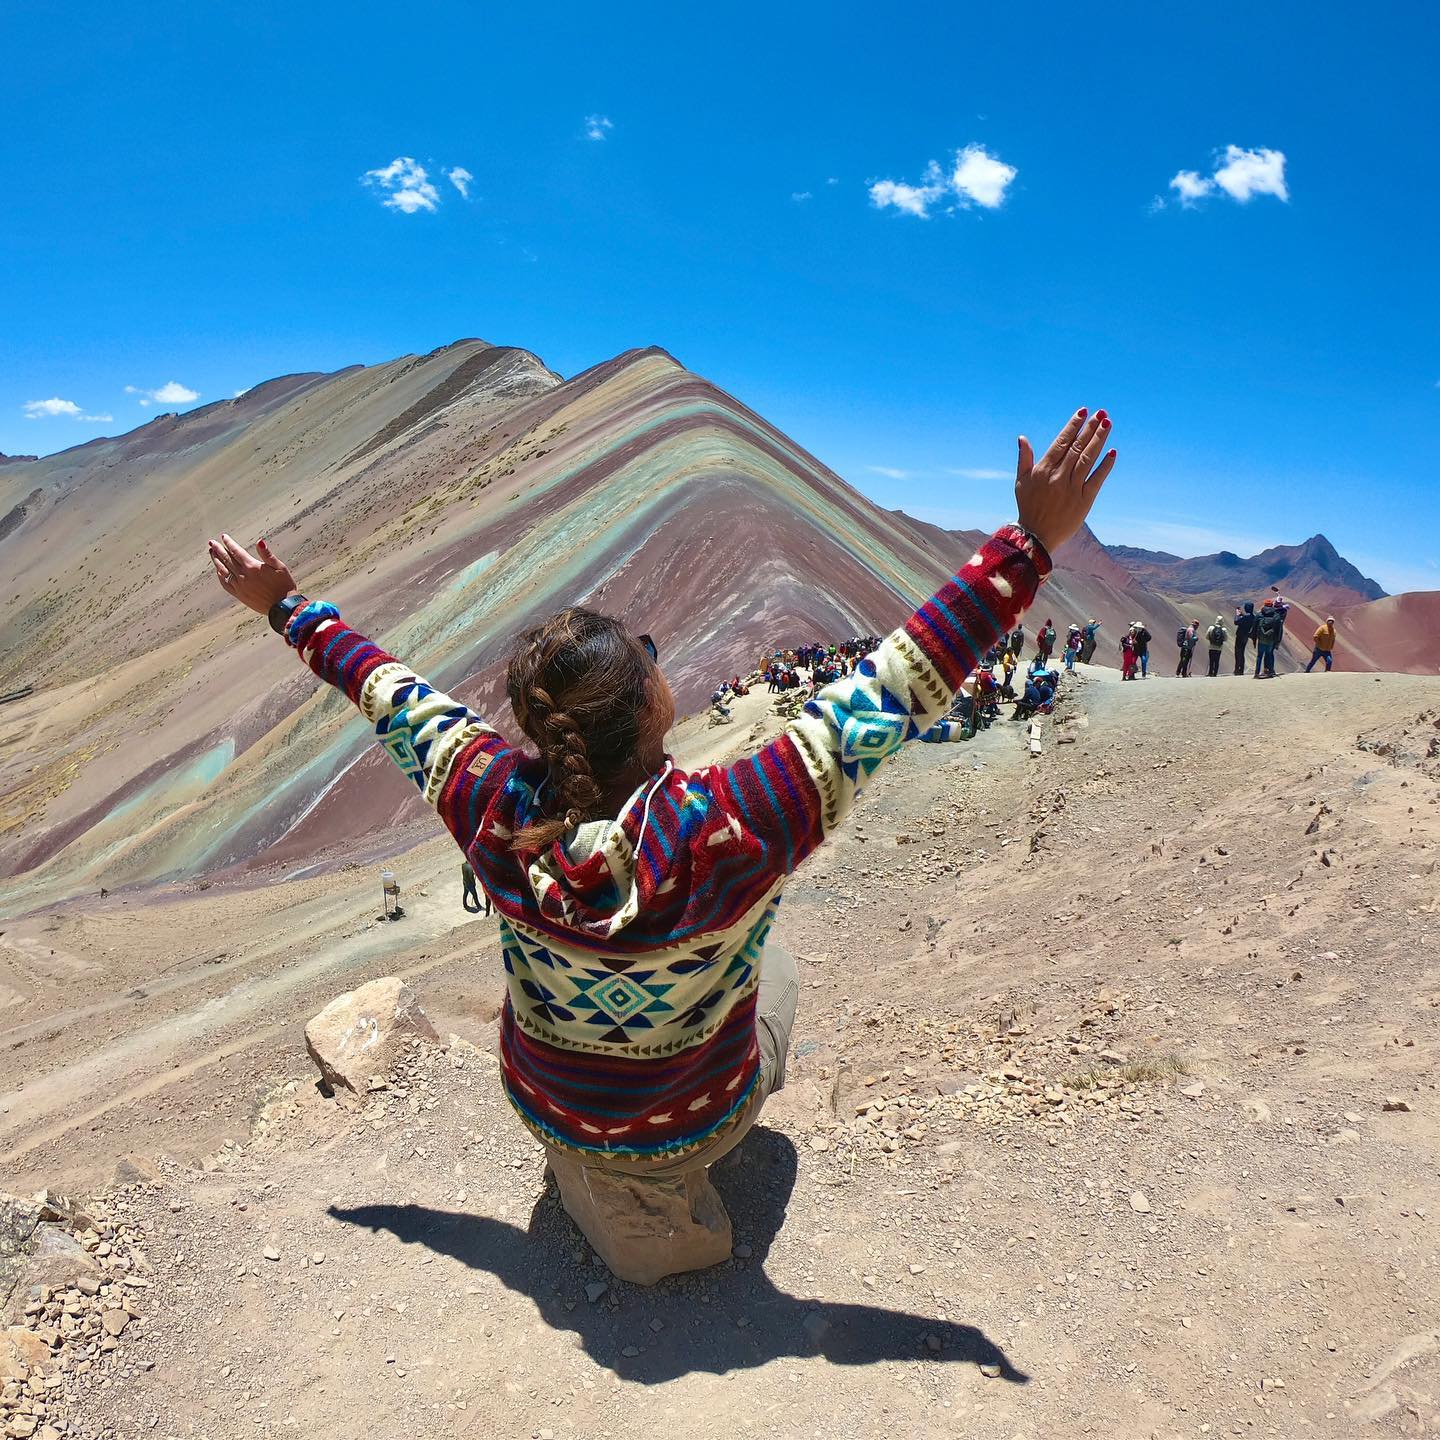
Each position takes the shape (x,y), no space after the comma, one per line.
(18,1222)
(358,1034)
(645,1229)
(34,1252)
(22,1353)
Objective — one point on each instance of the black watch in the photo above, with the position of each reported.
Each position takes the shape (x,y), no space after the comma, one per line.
(282,610)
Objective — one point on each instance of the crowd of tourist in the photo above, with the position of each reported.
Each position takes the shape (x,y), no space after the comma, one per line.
(1264,628)
(813,666)
(822,663)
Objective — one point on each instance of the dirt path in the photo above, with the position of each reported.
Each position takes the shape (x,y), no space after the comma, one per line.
(1113,1110)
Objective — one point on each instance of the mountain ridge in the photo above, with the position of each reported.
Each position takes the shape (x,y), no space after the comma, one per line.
(1312,568)
(445,501)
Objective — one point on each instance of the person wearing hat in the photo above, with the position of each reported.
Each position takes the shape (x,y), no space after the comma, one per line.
(1087,643)
(1142,647)
(1216,635)
(1324,645)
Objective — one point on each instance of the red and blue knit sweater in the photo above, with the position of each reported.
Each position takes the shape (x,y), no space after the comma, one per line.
(632,947)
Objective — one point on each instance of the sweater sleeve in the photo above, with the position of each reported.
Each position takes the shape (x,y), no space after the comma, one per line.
(798,788)
(439,743)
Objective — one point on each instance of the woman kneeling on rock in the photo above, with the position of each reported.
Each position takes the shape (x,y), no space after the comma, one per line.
(647,1019)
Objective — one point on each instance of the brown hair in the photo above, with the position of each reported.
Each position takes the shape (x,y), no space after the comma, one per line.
(579,684)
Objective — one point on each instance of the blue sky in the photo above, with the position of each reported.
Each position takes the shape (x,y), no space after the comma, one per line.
(751,187)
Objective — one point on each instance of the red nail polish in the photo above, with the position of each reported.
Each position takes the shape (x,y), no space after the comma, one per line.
(1104,424)
(1082,412)
(1100,414)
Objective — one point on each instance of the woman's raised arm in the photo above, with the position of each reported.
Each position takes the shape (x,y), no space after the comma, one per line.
(438,742)
(796,789)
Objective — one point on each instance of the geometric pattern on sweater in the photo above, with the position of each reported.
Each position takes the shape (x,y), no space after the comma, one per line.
(672,999)
(632,946)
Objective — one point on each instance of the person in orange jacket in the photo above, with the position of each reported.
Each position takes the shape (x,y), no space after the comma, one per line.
(1324,645)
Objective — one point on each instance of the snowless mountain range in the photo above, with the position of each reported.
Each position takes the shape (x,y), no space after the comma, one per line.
(446,501)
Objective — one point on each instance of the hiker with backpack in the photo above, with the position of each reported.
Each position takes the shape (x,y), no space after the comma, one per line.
(1072,648)
(1216,635)
(1245,620)
(1142,648)
(1045,641)
(1269,627)
(1186,637)
(1017,640)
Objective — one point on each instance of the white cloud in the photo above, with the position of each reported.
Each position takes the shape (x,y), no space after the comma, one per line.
(1241,174)
(981,177)
(172,392)
(54,407)
(460,178)
(977,178)
(405,184)
(45,409)
(597,125)
(1247,173)
(1191,186)
(800,196)
(889,472)
(912,199)
(982,474)
(833,180)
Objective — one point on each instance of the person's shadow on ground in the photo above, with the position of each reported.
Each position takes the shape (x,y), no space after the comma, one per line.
(726,1318)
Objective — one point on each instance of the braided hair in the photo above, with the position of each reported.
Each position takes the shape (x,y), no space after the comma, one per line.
(579,684)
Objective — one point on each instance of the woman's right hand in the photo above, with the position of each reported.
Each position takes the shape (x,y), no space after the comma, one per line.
(256,581)
(1055,495)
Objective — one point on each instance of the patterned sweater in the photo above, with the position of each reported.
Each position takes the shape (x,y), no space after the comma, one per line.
(632,947)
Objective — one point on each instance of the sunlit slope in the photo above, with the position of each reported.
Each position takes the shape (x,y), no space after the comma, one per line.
(443,503)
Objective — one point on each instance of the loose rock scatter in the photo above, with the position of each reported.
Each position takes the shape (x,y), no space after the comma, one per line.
(1080,1124)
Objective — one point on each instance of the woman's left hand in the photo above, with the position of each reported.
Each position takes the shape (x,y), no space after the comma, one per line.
(254,581)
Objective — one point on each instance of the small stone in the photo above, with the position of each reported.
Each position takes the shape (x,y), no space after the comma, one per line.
(115,1321)
(1194,1090)
(990,1372)
(657,1325)
(595,1289)
(742,1252)
(318,1258)
(1139,1204)
(917,1269)
(270,1253)
(1396,1102)
(819,1142)
(1114,1057)
(630,1352)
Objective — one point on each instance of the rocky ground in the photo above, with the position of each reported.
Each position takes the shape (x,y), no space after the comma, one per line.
(1112,1110)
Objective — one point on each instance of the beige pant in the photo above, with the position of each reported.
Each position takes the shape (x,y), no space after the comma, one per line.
(775,1005)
